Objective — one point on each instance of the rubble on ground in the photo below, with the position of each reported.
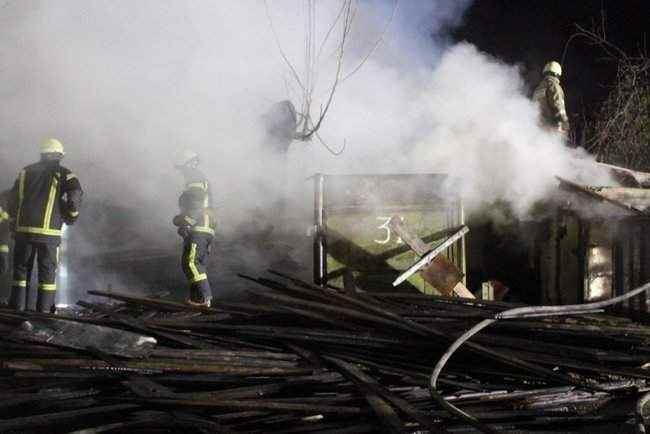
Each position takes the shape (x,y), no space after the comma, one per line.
(295,357)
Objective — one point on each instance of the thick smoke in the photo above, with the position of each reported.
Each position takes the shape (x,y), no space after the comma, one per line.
(127,84)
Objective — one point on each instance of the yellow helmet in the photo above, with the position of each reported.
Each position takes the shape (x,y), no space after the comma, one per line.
(52,146)
(554,68)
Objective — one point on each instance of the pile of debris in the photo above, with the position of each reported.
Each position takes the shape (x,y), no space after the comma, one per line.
(301,358)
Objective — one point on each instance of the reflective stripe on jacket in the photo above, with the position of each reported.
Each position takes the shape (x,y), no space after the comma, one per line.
(5,221)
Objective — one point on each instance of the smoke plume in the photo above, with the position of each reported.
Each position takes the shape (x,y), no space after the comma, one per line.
(127,84)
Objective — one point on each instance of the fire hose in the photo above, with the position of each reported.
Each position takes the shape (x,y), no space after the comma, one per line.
(516,313)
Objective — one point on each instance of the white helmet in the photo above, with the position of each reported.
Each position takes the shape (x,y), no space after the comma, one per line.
(554,68)
(185,157)
(52,146)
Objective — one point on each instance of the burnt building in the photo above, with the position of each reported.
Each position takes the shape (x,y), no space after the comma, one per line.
(585,244)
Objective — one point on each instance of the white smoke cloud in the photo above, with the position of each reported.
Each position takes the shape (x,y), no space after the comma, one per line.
(126,84)
(485,132)
(469,116)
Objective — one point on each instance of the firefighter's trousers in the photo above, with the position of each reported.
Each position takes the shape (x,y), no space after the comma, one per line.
(195,255)
(47,256)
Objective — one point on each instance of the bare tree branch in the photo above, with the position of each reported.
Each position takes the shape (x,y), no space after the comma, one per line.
(375,45)
(331,28)
(277,42)
(347,25)
(620,130)
(331,151)
(307,127)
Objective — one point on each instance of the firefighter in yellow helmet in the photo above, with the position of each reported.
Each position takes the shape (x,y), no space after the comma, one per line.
(549,96)
(45,196)
(196,225)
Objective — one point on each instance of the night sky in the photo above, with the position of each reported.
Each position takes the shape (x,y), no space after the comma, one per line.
(531,32)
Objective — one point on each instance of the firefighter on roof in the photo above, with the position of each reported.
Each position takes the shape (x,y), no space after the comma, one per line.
(549,96)
(196,224)
(44,197)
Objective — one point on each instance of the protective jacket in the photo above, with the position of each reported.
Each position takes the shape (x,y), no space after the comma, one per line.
(194,217)
(4,232)
(44,196)
(196,224)
(550,97)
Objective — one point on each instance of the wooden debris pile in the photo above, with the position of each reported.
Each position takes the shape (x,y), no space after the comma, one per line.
(300,358)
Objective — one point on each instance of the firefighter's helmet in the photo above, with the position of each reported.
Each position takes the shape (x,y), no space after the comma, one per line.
(52,146)
(554,68)
(186,157)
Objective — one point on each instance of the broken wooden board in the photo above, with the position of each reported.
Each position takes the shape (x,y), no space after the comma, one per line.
(638,198)
(439,271)
(585,191)
(82,336)
(628,177)
(442,274)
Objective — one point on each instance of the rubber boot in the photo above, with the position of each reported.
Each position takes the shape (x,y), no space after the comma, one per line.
(18,299)
(45,301)
(200,293)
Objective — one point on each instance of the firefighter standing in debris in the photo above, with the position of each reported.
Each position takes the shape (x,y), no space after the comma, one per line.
(196,225)
(549,95)
(44,197)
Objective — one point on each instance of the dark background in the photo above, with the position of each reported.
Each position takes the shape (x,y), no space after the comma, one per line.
(532,32)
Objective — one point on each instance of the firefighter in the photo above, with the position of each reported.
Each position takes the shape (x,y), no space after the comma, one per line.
(4,233)
(45,196)
(550,97)
(196,224)
(187,162)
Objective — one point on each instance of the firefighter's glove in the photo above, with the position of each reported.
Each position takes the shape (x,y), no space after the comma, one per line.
(4,259)
(70,218)
(183,220)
